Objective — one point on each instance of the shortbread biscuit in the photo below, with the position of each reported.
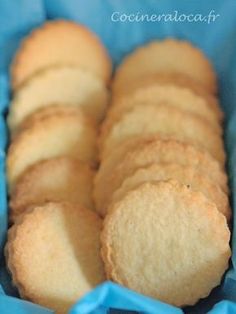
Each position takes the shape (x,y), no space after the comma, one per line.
(60,85)
(167,122)
(179,97)
(60,42)
(156,151)
(187,175)
(111,160)
(45,113)
(66,134)
(56,179)
(158,87)
(176,79)
(166,241)
(167,56)
(53,253)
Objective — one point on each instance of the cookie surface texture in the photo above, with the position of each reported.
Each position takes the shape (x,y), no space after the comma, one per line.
(187,175)
(167,242)
(179,97)
(167,122)
(56,43)
(156,151)
(53,254)
(66,134)
(71,86)
(168,56)
(57,179)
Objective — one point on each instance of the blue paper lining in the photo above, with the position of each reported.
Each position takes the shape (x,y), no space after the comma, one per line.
(217,40)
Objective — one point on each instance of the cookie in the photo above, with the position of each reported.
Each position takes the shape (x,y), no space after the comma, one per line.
(53,253)
(157,151)
(176,79)
(179,97)
(167,242)
(111,160)
(45,113)
(167,122)
(56,179)
(187,175)
(59,134)
(60,42)
(71,86)
(167,56)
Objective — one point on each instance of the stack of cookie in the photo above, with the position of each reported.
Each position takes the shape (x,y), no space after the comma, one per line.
(60,79)
(161,185)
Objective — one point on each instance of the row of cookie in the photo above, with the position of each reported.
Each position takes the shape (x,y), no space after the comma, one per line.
(60,96)
(161,185)
(170,105)
(45,236)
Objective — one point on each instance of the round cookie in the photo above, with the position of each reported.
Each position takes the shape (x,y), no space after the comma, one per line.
(59,85)
(59,134)
(187,175)
(167,122)
(179,97)
(168,56)
(111,160)
(167,242)
(178,80)
(45,113)
(60,42)
(156,151)
(57,179)
(53,253)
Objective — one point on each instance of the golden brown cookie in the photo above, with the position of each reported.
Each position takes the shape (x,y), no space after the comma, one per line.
(60,42)
(170,79)
(187,175)
(59,134)
(167,242)
(111,160)
(45,113)
(155,151)
(167,56)
(167,122)
(56,179)
(156,94)
(53,253)
(59,85)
